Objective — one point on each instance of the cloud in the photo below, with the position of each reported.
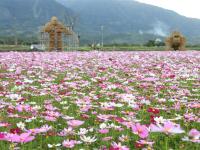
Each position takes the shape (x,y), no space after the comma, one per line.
(189,8)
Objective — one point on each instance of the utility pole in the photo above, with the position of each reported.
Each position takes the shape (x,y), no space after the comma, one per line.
(102,36)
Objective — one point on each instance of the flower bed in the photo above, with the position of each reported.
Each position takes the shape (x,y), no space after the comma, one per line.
(100,100)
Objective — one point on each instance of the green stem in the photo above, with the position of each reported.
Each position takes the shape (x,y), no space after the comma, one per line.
(166,143)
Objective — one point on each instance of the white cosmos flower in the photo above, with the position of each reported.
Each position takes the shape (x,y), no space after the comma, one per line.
(14,96)
(37,107)
(53,145)
(162,100)
(21,125)
(91,129)
(63,102)
(119,105)
(178,117)
(28,81)
(112,87)
(68,117)
(15,88)
(172,100)
(159,120)
(32,103)
(66,108)
(103,125)
(128,97)
(69,131)
(30,119)
(111,104)
(88,139)
(112,125)
(185,138)
(123,138)
(146,102)
(82,131)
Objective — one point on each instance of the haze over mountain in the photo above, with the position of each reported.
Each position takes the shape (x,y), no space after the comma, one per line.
(124,21)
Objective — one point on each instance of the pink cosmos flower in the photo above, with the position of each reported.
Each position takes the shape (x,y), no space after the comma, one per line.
(119,119)
(68,131)
(35,131)
(18,70)
(104,117)
(194,134)
(70,143)
(50,118)
(21,108)
(75,123)
(22,138)
(168,128)
(103,131)
(145,142)
(45,128)
(108,138)
(190,117)
(4,124)
(118,146)
(140,130)
(127,124)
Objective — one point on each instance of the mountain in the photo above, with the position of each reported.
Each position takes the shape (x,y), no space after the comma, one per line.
(120,21)
(25,17)
(128,21)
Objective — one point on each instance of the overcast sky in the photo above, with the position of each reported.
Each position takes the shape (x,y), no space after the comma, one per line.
(189,8)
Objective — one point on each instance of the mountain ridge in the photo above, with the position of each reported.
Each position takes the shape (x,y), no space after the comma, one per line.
(130,17)
(27,16)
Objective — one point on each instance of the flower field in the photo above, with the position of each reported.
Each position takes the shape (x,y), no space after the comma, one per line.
(100,100)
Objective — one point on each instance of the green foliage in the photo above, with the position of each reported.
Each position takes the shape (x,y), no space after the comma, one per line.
(152,43)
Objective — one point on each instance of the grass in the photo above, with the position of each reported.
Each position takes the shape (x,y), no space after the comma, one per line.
(105,48)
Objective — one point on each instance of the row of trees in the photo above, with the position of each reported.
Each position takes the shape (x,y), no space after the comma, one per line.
(12,40)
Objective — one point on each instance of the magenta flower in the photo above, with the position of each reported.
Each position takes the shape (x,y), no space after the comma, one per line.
(168,128)
(15,130)
(2,136)
(75,123)
(140,130)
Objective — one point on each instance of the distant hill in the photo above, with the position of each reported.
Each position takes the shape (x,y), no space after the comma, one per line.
(24,17)
(129,21)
